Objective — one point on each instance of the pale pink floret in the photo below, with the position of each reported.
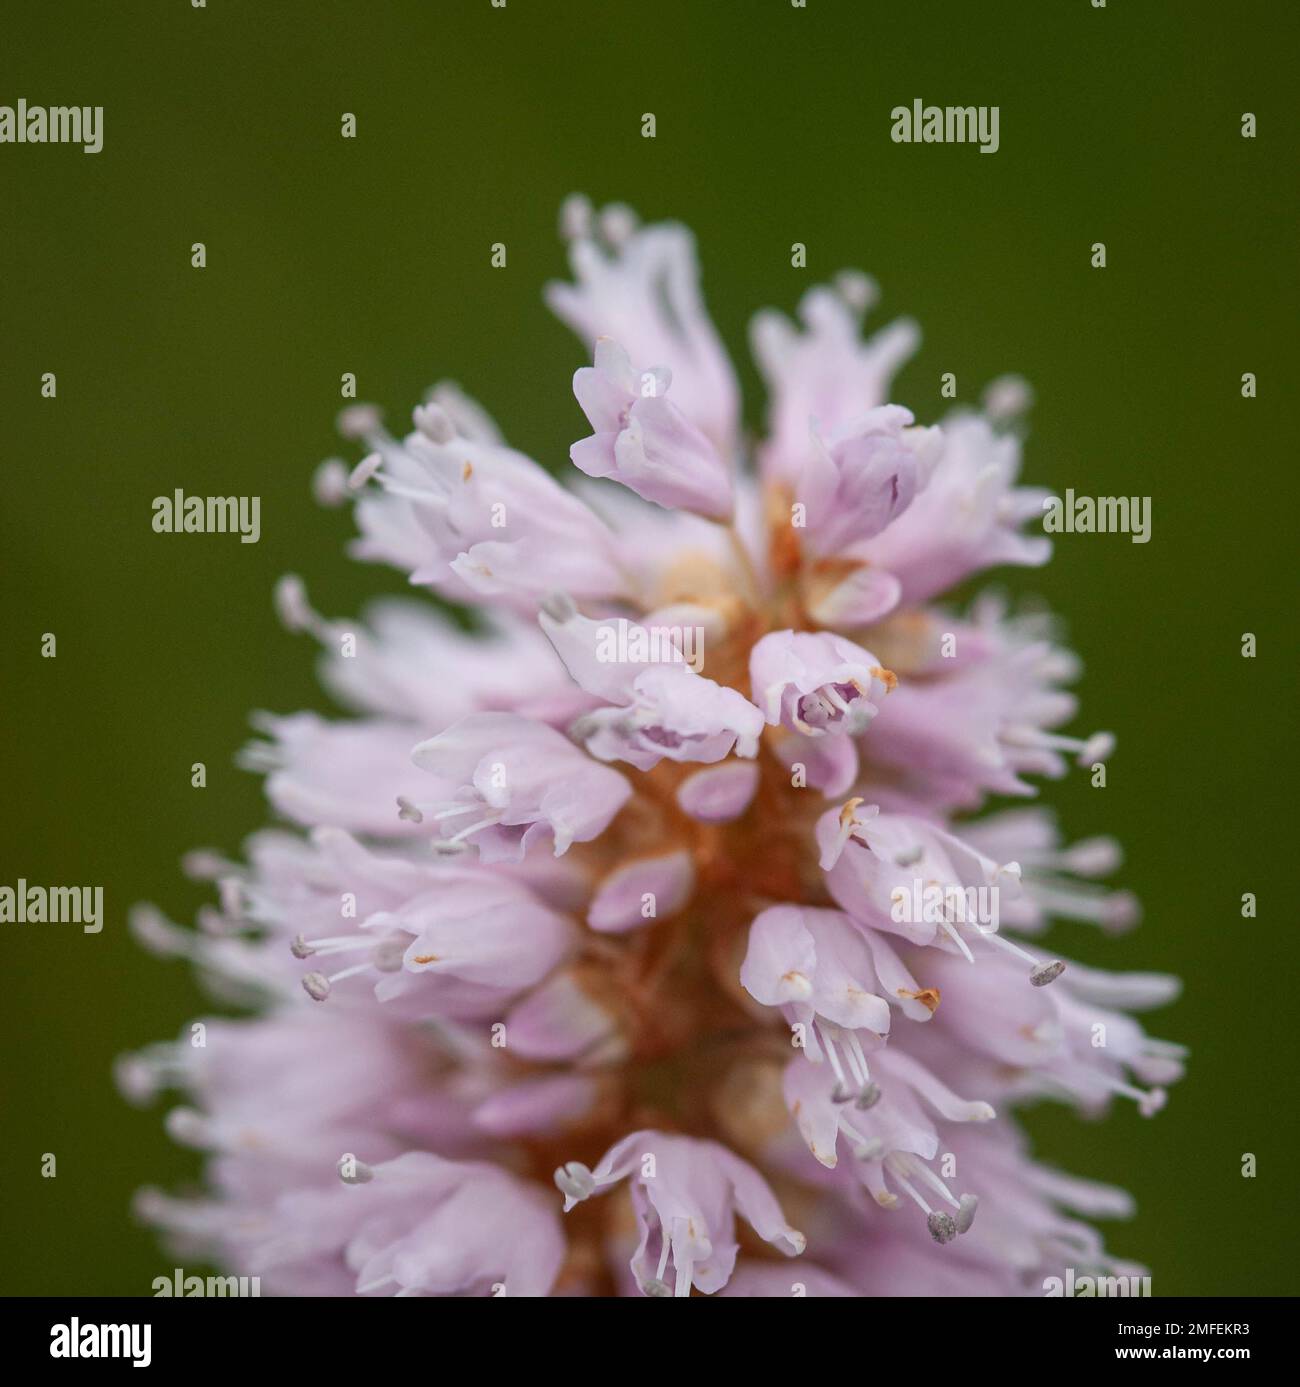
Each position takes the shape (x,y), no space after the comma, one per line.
(640,286)
(822,687)
(854,487)
(517,783)
(980,712)
(661,709)
(686,1194)
(967,518)
(826,377)
(481,522)
(419,1225)
(643,440)
(818,968)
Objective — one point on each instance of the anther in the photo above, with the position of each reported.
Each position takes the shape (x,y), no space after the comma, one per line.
(291,604)
(942,1227)
(1092,857)
(617,223)
(1006,398)
(575,218)
(230,889)
(1152,1101)
(359,421)
(575,1181)
(868,1097)
(317,986)
(856,289)
(966,1212)
(188,1126)
(1047,972)
(329,483)
(1099,747)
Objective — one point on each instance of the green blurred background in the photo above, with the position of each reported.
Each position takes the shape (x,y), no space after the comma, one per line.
(371,255)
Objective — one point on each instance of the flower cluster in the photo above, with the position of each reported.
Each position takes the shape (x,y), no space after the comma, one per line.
(634,934)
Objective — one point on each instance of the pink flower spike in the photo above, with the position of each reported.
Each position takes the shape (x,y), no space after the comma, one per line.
(726,949)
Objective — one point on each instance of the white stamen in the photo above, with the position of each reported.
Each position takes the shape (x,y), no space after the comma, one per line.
(617,223)
(841,1092)
(921,1169)
(1098,747)
(835,698)
(441,847)
(317,986)
(1092,857)
(575,217)
(329,483)
(189,1127)
(1076,900)
(376,1285)
(1149,1101)
(1009,945)
(951,932)
(856,289)
(364,471)
(359,421)
(291,604)
(908,1188)
(472,829)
